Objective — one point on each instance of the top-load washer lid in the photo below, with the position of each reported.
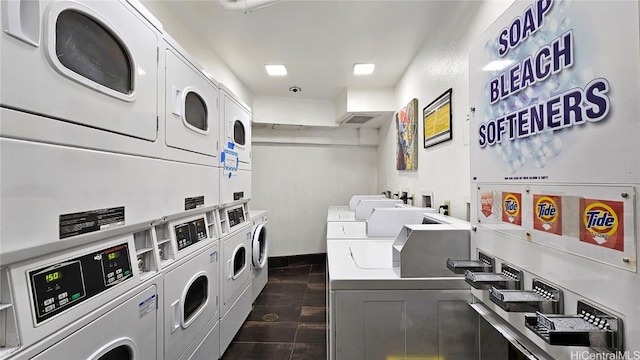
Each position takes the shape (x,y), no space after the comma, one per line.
(355,199)
(372,254)
(341,215)
(346,230)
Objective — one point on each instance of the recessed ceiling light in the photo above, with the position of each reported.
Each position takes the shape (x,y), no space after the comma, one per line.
(363,69)
(276,70)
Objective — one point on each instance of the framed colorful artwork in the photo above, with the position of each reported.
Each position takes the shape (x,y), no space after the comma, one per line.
(407,133)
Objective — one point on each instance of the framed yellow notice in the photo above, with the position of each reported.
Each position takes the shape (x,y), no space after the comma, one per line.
(437,120)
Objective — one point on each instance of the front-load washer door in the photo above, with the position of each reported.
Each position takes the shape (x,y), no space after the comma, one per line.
(95,65)
(259,246)
(190,300)
(192,116)
(237,131)
(126,332)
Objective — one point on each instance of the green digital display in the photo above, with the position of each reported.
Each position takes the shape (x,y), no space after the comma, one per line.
(56,275)
(112,256)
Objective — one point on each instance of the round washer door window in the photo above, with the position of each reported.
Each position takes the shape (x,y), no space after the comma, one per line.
(259,246)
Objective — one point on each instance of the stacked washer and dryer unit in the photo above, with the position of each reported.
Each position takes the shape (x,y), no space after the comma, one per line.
(243,245)
(111,188)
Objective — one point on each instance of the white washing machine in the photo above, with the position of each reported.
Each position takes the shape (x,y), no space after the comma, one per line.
(355,199)
(74,301)
(235,156)
(382,223)
(365,206)
(190,257)
(369,301)
(259,252)
(235,283)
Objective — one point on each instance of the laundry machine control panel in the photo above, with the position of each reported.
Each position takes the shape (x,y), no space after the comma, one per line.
(59,287)
(236,216)
(190,232)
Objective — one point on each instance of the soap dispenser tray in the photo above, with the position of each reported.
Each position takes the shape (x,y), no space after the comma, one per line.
(590,327)
(485,263)
(509,278)
(543,298)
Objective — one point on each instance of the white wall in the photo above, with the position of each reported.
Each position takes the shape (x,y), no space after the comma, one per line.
(278,110)
(296,183)
(442,63)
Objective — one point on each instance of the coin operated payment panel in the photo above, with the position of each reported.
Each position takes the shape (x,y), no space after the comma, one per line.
(61,286)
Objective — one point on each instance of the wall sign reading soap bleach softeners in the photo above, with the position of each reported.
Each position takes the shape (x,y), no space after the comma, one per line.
(549,98)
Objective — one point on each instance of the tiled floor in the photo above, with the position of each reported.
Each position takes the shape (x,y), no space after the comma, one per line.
(288,320)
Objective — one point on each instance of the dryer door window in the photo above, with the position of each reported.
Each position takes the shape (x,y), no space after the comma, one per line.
(195,111)
(122,352)
(88,49)
(239,261)
(238,133)
(195,299)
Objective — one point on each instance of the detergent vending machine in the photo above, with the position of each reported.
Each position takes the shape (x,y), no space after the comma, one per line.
(555,170)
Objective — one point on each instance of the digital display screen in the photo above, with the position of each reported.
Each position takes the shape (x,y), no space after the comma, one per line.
(190,233)
(56,275)
(113,255)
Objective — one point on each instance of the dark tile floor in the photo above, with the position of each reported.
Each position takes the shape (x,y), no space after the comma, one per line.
(288,320)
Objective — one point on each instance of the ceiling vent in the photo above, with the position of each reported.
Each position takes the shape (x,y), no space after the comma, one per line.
(359,119)
(365,107)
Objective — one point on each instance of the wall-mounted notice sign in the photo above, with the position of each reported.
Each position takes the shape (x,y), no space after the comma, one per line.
(229,160)
(555,89)
(437,120)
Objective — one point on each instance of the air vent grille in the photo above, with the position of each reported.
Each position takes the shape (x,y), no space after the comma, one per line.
(359,119)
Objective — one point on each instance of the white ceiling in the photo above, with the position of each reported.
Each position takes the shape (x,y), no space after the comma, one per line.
(318,40)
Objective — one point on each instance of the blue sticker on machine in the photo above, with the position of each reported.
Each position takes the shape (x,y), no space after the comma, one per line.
(230,162)
(230,145)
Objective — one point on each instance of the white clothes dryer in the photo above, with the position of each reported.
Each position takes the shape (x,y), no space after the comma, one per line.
(79,108)
(126,331)
(191,130)
(235,156)
(259,252)
(189,251)
(235,286)
(191,108)
(74,301)
(87,70)
(191,308)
